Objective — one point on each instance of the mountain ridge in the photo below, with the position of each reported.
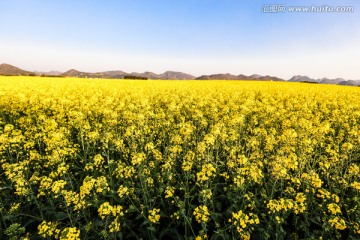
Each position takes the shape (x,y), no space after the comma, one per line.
(9,70)
(340,81)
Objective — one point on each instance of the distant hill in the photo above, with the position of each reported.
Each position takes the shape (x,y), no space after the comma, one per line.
(331,81)
(244,77)
(340,81)
(114,74)
(148,75)
(176,75)
(299,78)
(76,73)
(50,73)
(73,73)
(267,77)
(350,83)
(9,70)
(255,76)
(229,76)
(219,76)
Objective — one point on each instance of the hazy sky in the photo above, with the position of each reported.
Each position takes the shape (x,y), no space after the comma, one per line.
(193,36)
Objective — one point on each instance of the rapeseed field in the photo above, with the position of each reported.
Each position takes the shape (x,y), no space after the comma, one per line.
(127,159)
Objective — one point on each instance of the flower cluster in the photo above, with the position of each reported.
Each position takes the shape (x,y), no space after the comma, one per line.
(201,214)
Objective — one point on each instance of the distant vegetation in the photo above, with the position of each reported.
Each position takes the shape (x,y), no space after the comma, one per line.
(309,82)
(135,77)
(46,75)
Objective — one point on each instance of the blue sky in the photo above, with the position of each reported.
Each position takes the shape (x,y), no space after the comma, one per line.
(193,36)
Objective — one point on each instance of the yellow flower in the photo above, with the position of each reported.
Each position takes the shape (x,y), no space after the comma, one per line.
(333,208)
(115,225)
(122,191)
(105,210)
(102,185)
(206,194)
(124,171)
(337,223)
(138,158)
(57,186)
(169,192)
(280,205)
(175,216)
(354,169)
(202,236)
(355,185)
(98,161)
(150,181)
(117,210)
(47,229)
(45,185)
(300,198)
(70,233)
(87,186)
(207,170)
(154,215)
(201,214)
(14,207)
(300,205)
(70,197)
(313,178)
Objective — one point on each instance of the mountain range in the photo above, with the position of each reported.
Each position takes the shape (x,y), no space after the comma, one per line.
(9,70)
(120,74)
